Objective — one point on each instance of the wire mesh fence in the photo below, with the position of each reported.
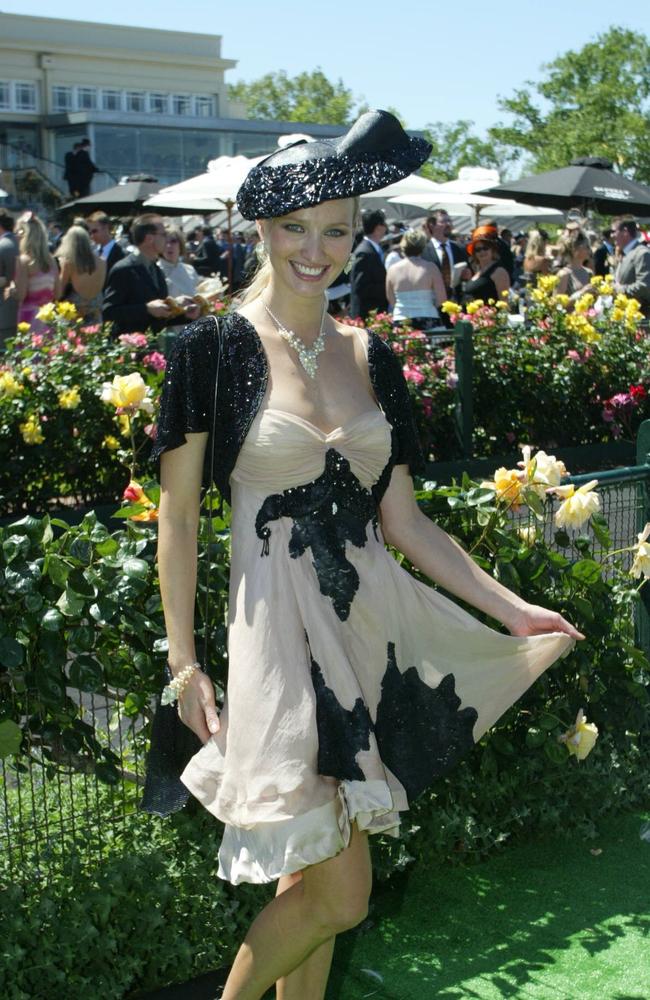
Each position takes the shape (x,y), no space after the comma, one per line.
(61,810)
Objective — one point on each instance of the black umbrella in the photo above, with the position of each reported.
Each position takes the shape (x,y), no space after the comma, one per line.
(122,199)
(588,183)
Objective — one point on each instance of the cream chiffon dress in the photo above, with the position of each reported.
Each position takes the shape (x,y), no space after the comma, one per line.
(351,685)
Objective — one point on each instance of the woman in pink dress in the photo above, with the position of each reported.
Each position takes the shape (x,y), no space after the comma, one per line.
(37,274)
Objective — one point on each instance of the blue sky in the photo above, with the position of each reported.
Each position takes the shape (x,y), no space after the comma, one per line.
(432,61)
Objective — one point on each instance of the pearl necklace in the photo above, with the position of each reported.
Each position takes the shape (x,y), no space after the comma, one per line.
(307,356)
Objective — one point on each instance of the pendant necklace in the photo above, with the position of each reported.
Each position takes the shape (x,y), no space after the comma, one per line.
(307,356)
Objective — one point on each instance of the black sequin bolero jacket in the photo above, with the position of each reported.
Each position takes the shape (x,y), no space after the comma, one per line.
(187,407)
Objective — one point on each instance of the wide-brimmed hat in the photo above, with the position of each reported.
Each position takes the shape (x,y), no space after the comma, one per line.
(376,151)
(483,234)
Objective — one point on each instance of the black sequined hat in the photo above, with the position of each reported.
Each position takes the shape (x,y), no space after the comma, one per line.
(376,151)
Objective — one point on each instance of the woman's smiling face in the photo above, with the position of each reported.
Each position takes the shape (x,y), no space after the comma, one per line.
(309,247)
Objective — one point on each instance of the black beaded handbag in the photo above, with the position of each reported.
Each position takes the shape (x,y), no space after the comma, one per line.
(172,743)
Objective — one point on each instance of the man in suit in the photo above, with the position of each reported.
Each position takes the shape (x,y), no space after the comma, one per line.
(210,257)
(8,256)
(368,274)
(633,272)
(84,168)
(136,290)
(99,230)
(442,250)
(70,174)
(603,254)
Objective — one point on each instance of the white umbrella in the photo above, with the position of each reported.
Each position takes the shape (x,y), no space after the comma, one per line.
(413,185)
(208,192)
(474,204)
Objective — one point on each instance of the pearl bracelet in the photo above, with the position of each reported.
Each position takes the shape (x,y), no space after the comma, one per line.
(172,691)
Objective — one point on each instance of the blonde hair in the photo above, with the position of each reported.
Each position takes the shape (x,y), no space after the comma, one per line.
(262,276)
(77,249)
(568,244)
(33,242)
(535,244)
(413,243)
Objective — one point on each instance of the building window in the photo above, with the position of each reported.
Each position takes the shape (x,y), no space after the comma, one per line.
(135,100)
(25,96)
(111,100)
(159,104)
(5,95)
(182,104)
(203,106)
(62,98)
(86,98)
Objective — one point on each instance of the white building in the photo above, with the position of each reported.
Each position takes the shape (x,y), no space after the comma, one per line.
(150,101)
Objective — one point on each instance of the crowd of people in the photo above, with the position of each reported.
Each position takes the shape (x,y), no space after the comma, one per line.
(411,272)
(143,273)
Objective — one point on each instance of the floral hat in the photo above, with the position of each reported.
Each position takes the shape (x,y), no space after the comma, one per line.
(376,151)
(482,234)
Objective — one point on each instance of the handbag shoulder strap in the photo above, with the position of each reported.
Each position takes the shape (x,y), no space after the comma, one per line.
(211,441)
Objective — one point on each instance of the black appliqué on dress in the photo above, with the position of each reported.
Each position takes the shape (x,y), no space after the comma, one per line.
(420,732)
(326,513)
(341,733)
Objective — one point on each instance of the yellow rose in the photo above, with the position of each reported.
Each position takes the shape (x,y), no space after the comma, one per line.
(578,504)
(47,313)
(641,564)
(541,469)
(584,303)
(67,310)
(31,430)
(501,306)
(124,421)
(547,282)
(528,534)
(562,300)
(111,442)
(23,328)
(506,485)
(474,306)
(128,392)
(9,385)
(581,737)
(70,398)
(450,308)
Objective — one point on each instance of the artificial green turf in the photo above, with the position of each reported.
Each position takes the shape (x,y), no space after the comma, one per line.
(545,920)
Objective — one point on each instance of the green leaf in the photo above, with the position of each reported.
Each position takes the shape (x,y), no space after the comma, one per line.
(137,568)
(151,490)
(548,722)
(107,547)
(10,738)
(78,583)
(103,610)
(12,653)
(81,549)
(57,569)
(600,529)
(70,604)
(86,673)
(555,751)
(52,620)
(587,571)
(585,607)
(15,547)
(535,738)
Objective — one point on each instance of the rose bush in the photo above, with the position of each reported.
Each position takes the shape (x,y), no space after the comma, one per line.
(63,437)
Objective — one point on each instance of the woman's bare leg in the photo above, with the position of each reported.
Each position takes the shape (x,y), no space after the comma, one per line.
(330,897)
(309,979)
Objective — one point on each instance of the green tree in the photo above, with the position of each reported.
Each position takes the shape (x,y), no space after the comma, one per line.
(593,102)
(307,97)
(455,146)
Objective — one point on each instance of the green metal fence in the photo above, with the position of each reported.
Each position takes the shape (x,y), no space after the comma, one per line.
(54,815)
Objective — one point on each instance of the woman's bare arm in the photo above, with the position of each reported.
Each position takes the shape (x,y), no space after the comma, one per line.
(390,294)
(438,285)
(501,279)
(181,471)
(21,279)
(433,552)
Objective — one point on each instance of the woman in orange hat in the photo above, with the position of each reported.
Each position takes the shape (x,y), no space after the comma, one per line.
(490,279)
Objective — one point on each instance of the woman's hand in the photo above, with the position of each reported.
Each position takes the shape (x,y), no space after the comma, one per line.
(530,619)
(197,708)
